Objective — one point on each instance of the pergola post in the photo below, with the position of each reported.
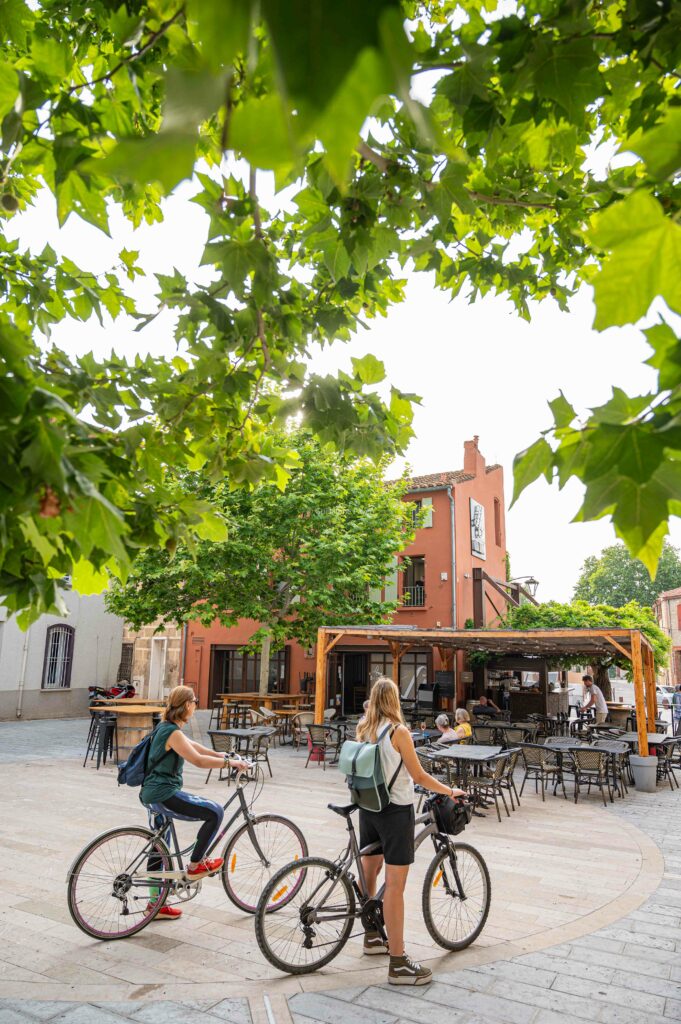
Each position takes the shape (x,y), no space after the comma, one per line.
(651,689)
(397,655)
(637,666)
(320,677)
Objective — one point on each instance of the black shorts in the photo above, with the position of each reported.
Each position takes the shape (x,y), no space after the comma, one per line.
(393,828)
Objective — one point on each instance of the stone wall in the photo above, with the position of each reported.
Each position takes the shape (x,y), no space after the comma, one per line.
(156,662)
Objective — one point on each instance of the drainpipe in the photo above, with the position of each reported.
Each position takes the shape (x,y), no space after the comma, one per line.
(22,674)
(185,631)
(452,533)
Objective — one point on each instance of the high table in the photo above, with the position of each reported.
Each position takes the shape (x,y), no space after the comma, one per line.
(133,724)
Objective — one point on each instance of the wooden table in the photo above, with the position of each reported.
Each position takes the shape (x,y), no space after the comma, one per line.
(268,700)
(139,721)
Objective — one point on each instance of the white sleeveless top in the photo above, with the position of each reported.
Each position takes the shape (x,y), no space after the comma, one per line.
(402,791)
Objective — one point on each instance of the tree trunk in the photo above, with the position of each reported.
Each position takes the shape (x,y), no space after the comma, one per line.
(265,664)
(602,680)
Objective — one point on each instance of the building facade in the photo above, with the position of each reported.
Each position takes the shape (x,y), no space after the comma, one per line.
(151,659)
(463,527)
(45,672)
(667,610)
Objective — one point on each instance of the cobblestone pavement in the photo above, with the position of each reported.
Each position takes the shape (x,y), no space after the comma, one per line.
(626,973)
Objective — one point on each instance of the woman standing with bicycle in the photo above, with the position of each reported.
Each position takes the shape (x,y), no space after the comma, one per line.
(393,827)
(162,791)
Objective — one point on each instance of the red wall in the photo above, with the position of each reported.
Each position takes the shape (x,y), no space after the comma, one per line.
(433,543)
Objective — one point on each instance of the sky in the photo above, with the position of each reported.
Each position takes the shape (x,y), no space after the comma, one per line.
(478,368)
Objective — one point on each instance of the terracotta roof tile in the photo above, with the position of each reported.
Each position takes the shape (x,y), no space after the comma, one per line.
(496,465)
(446,478)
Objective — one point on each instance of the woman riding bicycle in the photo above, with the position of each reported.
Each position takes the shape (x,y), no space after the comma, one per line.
(393,827)
(162,791)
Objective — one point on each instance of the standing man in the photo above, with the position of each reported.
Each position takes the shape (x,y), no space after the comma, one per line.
(593,698)
(676,711)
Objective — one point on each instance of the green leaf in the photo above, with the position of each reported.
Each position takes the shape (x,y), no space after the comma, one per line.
(621,408)
(261,132)
(336,258)
(86,579)
(167,158)
(99,525)
(666,355)
(369,369)
(212,527)
(563,413)
(661,146)
(37,540)
(9,88)
(51,58)
(567,72)
(644,260)
(531,464)
(221,28)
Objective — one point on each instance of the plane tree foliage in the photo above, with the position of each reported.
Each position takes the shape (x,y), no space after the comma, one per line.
(313,555)
(615,578)
(444,137)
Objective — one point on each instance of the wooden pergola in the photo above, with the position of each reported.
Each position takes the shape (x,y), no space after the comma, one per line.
(548,643)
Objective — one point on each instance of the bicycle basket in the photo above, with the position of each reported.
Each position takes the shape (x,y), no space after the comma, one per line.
(451,816)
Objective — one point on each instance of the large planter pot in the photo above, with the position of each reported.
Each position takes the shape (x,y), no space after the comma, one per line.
(644,770)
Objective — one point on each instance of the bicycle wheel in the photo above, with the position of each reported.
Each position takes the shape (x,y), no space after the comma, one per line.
(454,922)
(108,893)
(244,873)
(304,916)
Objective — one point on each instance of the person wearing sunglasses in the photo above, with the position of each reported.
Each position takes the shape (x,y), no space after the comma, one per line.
(162,792)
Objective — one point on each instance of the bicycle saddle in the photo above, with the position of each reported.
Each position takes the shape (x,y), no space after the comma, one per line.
(344,812)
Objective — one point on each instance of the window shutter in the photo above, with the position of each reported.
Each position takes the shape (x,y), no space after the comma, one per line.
(391,584)
(375,594)
(427,506)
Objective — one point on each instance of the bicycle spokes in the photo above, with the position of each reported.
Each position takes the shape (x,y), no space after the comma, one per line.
(456,896)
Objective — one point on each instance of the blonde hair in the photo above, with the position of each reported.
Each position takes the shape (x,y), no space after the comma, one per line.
(177,704)
(462,715)
(384,703)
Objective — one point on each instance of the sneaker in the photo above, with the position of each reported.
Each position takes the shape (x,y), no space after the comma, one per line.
(403,971)
(374,944)
(206,867)
(166,913)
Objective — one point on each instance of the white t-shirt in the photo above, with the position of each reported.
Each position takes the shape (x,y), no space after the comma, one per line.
(402,791)
(596,692)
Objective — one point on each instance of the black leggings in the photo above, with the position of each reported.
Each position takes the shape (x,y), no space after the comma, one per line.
(187,807)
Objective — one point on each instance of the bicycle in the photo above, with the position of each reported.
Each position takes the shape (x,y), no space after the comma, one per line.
(109,881)
(307,909)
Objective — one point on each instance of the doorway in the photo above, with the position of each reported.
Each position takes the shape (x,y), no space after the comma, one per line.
(157,668)
(355,678)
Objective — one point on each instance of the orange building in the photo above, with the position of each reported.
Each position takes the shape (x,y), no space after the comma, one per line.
(463,528)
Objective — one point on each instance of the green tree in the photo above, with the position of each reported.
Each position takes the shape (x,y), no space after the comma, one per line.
(293,560)
(581,615)
(615,578)
(481,182)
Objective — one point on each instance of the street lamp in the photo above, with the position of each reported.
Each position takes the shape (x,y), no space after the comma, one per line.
(528,583)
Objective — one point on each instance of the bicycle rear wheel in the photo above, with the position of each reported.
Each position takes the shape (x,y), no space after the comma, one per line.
(453,922)
(304,916)
(244,873)
(109,896)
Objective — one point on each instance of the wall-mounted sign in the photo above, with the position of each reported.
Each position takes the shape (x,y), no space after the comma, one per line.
(478,529)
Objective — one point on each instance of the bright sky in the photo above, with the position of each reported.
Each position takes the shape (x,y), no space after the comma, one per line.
(479,369)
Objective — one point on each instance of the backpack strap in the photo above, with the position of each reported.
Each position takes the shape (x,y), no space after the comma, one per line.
(397,770)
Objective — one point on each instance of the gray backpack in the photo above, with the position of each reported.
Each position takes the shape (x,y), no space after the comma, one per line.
(361,763)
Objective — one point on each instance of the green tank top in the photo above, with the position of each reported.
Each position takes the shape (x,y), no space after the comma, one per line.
(165,777)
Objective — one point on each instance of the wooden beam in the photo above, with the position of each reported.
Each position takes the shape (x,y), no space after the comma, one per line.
(651,690)
(637,665)
(478,598)
(397,654)
(320,677)
(332,643)
(619,647)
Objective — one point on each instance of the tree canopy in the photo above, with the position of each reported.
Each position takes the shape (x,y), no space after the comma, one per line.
(615,578)
(313,555)
(447,137)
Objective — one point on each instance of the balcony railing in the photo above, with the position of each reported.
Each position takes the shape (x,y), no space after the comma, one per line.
(414,597)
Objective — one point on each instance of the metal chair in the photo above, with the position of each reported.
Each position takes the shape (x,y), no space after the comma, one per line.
(591,767)
(298,725)
(320,740)
(260,752)
(491,784)
(216,711)
(507,781)
(541,764)
(666,764)
(221,745)
(484,734)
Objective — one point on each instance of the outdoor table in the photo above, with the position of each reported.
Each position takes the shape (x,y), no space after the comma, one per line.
(563,742)
(244,735)
(467,754)
(132,725)
(655,739)
(423,735)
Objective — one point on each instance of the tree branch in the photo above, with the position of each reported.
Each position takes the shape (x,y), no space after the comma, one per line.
(375,158)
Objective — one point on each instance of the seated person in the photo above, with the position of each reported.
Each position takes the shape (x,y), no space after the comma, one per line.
(447,734)
(486,708)
(463,728)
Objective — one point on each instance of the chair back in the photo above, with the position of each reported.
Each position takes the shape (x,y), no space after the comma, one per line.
(536,756)
(329,713)
(267,713)
(514,736)
(317,735)
(221,744)
(484,734)
(589,760)
(511,761)
(500,766)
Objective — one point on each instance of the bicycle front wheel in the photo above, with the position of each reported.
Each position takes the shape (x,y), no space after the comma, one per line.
(247,869)
(304,916)
(455,922)
(109,895)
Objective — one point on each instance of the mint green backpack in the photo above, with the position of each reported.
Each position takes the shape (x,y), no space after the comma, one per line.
(361,763)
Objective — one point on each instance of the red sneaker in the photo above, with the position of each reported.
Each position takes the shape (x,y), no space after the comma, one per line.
(206,867)
(166,913)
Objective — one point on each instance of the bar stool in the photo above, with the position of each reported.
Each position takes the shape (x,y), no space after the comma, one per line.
(107,738)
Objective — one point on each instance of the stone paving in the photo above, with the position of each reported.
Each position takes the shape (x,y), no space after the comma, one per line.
(623,972)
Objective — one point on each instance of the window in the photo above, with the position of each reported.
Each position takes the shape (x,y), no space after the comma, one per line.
(416,509)
(678,615)
(236,671)
(58,657)
(380,664)
(497,522)
(413,672)
(414,583)
(125,667)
